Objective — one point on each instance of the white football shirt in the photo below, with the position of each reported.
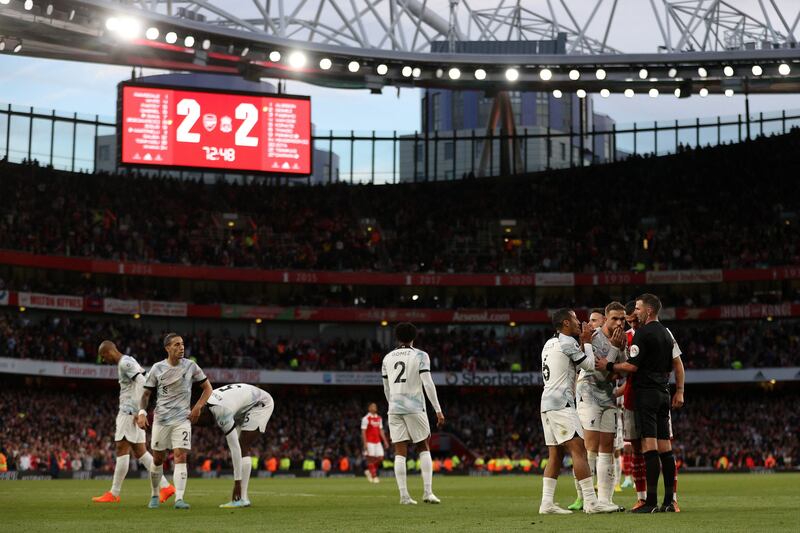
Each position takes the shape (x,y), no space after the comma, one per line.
(402,368)
(233,402)
(173,385)
(560,355)
(130,394)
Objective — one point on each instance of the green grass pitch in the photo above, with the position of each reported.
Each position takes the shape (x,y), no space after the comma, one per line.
(710,502)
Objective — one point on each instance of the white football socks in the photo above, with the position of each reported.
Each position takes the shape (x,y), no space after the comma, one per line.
(179,475)
(400,475)
(426,467)
(156,473)
(548,490)
(146,461)
(247,467)
(592,458)
(605,477)
(577,488)
(120,471)
(587,487)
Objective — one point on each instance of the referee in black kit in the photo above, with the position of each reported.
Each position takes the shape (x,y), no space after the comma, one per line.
(650,357)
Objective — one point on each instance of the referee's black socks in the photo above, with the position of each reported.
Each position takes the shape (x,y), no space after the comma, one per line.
(653,465)
(668,469)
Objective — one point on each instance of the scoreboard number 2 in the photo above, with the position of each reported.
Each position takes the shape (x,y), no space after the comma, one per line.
(189,108)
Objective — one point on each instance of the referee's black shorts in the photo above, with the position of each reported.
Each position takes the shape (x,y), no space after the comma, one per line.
(652,414)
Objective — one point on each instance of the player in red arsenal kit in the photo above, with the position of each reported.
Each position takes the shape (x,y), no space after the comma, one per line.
(374,440)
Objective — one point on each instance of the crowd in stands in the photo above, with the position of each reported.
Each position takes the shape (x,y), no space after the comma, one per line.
(74,338)
(199,292)
(67,431)
(690,210)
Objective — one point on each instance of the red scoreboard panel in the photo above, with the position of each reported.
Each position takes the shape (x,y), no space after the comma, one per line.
(209,129)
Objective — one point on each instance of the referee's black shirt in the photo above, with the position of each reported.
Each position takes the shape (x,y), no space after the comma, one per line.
(651,352)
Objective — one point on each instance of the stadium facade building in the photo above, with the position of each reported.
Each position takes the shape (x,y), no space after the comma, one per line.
(449,120)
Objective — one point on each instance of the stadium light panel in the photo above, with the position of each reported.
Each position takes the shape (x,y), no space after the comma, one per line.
(580,93)
(784,69)
(406,72)
(757,70)
(600,74)
(677,92)
(382,69)
(274,56)
(703,92)
(454,73)
(728,70)
(702,72)
(672,72)
(545,74)
(574,75)
(112,23)
(245,51)
(206,44)
(353,66)
(188,41)
(557,93)
(325,63)
(297,60)
(728,92)
(512,74)
(605,93)
(4,2)
(415,297)
(151,33)
(71,14)
(171,37)
(28,5)
(439,73)
(653,93)
(2,44)
(643,74)
(628,93)
(18,48)
(416,72)
(49,10)
(480,74)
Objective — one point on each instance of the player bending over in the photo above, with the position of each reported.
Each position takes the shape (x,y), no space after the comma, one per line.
(242,412)
(172,378)
(128,436)
(374,440)
(561,355)
(406,371)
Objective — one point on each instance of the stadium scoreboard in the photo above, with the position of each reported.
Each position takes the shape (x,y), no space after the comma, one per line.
(180,127)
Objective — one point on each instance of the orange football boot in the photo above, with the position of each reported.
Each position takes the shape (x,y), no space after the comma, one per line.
(106,498)
(166,493)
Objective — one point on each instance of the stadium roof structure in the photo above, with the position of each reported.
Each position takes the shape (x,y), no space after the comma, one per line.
(709,46)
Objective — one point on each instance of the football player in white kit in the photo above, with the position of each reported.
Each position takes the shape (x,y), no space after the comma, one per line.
(597,405)
(405,372)
(241,412)
(128,437)
(561,356)
(172,378)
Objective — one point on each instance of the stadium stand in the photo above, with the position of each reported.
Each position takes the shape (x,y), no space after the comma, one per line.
(63,431)
(344,227)
(728,344)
